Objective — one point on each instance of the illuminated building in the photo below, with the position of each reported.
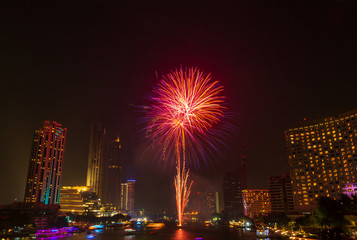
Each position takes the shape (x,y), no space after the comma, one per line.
(281,194)
(71,199)
(256,202)
(96,158)
(350,189)
(79,200)
(322,158)
(217,203)
(204,203)
(92,203)
(127,196)
(46,160)
(131,195)
(112,175)
(233,184)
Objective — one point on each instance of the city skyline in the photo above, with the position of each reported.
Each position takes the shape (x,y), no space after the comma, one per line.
(279,66)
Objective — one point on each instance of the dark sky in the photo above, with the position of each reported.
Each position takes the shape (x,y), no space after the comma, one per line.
(83,61)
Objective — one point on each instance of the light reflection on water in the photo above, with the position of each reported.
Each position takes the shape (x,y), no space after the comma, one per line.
(181,234)
(167,233)
(129,237)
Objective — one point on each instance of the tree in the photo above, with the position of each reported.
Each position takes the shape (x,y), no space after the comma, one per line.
(330,213)
(279,218)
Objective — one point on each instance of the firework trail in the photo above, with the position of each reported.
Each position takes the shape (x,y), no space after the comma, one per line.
(185,107)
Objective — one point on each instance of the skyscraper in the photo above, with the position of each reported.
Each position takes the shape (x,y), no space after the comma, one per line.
(131,195)
(232,195)
(281,194)
(112,174)
(96,158)
(45,169)
(128,196)
(322,158)
(233,184)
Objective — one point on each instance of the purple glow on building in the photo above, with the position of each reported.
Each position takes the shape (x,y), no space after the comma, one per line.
(350,189)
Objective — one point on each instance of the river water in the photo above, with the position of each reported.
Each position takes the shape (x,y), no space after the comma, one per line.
(170,233)
(166,233)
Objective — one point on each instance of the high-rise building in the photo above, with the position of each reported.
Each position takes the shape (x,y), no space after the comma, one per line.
(45,169)
(112,175)
(96,158)
(127,196)
(322,158)
(281,194)
(232,195)
(233,184)
(256,202)
(124,197)
(131,195)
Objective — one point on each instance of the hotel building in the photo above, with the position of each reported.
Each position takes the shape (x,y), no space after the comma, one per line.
(45,169)
(281,194)
(322,158)
(256,202)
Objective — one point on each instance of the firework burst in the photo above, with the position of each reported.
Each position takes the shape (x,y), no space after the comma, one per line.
(186,106)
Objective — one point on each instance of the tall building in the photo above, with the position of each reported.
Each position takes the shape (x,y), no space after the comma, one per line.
(128,196)
(45,169)
(131,195)
(233,184)
(96,158)
(281,194)
(256,202)
(232,195)
(112,174)
(322,158)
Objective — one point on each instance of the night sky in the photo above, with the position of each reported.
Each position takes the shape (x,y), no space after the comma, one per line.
(83,61)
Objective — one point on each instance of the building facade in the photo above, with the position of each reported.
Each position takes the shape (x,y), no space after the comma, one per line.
(281,194)
(204,203)
(256,202)
(233,184)
(45,169)
(232,195)
(322,158)
(71,200)
(128,196)
(79,200)
(96,158)
(112,175)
